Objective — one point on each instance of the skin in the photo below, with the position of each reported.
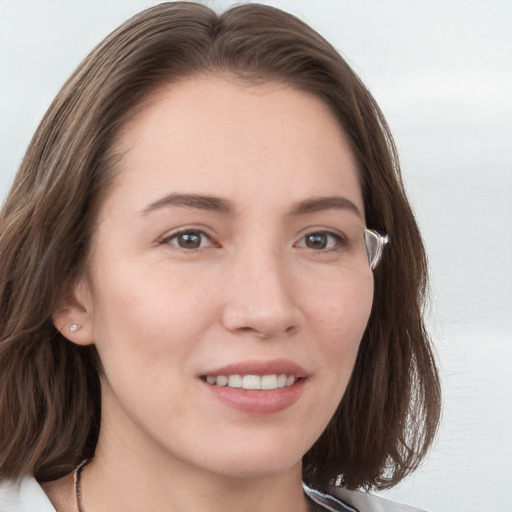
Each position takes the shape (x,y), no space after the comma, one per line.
(162,315)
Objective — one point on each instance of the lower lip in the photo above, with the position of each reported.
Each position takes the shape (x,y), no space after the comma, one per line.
(258,401)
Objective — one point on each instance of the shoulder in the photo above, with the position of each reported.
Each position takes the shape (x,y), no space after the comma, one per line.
(356,501)
(22,496)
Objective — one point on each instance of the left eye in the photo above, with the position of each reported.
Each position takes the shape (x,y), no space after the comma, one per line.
(320,240)
(189,239)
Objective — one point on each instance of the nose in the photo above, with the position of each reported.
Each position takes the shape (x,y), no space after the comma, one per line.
(261,297)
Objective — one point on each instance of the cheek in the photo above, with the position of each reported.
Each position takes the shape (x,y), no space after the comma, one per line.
(146,337)
(138,320)
(344,310)
(341,316)
(337,319)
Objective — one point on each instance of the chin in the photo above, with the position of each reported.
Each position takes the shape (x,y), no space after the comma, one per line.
(258,461)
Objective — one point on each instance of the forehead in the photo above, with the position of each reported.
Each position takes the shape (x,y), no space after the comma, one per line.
(219,136)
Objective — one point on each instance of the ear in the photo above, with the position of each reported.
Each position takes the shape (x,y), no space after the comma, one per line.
(73,315)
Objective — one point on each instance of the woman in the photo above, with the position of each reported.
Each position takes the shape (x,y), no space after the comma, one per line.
(194,316)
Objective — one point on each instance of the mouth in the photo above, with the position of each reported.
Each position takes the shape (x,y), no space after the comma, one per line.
(252,382)
(257,387)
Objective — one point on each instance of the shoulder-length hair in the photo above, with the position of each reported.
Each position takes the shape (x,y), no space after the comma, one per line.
(49,387)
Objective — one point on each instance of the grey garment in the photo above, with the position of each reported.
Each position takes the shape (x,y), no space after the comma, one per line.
(339,499)
(325,502)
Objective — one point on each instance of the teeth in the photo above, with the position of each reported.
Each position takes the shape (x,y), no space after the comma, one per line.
(235,381)
(252,381)
(221,380)
(268,382)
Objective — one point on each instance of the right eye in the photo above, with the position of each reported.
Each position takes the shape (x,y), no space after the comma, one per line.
(189,239)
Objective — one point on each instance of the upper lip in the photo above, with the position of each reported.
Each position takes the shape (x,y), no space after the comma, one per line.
(260,367)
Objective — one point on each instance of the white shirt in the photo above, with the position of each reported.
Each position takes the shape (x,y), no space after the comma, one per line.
(24,496)
(28,496)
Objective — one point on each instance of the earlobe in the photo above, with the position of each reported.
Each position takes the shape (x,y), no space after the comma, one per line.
(72,317)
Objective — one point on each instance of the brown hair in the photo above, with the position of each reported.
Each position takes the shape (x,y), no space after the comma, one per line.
(49,387)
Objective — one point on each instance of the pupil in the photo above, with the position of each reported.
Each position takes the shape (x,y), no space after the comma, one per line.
(190,240)
(316,241)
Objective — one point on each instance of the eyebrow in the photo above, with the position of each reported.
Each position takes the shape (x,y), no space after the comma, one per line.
(217,204)
(317,204)
(201,202)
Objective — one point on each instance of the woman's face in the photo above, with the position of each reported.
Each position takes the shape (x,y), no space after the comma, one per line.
(230,248)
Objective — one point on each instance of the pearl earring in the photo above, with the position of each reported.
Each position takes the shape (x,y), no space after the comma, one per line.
(75,327)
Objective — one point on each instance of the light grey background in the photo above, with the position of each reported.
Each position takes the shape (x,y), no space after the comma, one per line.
(442,72)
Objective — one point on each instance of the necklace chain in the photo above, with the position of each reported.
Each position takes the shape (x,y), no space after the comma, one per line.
(77,474)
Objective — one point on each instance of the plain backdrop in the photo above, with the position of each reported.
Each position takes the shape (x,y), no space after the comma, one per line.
(442,72)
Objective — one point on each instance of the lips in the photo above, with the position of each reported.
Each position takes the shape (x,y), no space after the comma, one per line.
(257,387)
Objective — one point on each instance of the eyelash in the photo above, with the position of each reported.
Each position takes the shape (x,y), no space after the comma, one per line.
(339,240)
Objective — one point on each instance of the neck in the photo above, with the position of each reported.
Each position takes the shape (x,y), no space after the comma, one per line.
(115,487)
(127,482)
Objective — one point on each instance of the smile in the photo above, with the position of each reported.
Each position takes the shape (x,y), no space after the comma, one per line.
(257,386)
(254,382)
